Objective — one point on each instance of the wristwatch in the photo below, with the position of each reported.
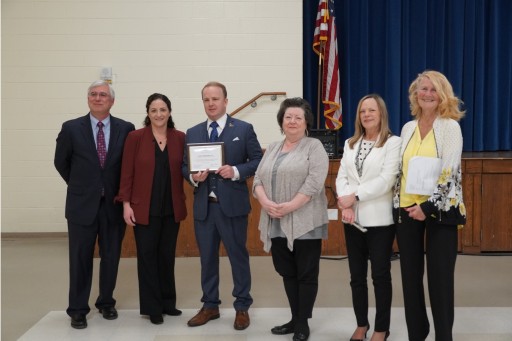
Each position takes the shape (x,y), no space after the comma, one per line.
(357,197)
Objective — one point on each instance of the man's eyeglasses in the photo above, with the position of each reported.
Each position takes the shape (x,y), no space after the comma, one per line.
(93,94)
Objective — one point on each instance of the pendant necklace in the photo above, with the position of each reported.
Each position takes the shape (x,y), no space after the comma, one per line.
(160,140)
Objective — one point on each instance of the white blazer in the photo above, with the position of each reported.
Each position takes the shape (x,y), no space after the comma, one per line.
(374,187)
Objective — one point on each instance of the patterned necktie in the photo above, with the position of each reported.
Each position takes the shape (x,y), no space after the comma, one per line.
(101,146)
(214,134)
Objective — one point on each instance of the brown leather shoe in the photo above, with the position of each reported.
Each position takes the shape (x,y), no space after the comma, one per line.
(203,316)
(242,320)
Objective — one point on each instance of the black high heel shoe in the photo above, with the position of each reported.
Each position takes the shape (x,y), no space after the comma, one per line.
(366,332)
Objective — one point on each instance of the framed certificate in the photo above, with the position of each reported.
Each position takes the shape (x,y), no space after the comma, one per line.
(202,156)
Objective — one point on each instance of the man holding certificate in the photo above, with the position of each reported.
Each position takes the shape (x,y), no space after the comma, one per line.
(221,154)
(430,210)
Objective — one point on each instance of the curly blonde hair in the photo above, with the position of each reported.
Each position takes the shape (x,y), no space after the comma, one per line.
(449,104)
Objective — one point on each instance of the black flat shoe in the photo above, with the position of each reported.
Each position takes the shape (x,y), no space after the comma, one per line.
(300,336)
(109,313)
(156,319)
(78,321)
(366,332)
(287,328)
(172,312)
(301,333)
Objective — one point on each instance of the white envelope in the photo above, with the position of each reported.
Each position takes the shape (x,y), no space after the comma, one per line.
(422,175)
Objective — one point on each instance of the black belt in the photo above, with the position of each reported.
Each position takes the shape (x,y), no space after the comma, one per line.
(213,199)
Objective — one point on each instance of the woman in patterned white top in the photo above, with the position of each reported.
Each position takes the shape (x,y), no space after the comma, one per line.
(430,219)
(364,186)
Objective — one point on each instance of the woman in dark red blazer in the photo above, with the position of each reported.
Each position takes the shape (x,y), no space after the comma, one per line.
(153,199)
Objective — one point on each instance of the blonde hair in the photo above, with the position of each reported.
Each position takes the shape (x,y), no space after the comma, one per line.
(384,131)
(448,102)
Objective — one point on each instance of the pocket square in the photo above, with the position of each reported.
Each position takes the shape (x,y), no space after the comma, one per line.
(236,139)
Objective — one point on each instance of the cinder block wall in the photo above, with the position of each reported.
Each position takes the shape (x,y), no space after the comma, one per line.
(52,50)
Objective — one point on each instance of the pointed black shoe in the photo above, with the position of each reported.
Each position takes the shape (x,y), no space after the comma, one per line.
(172,312)
(287,328)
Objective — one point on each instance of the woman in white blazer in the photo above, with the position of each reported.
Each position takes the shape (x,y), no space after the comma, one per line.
(367,173)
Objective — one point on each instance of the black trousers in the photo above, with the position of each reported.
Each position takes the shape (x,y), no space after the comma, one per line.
(82,240)
(299,269)
(441,254)
(376,244)
(156,254)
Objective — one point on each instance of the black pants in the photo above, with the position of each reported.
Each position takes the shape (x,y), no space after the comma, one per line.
(82,241)
(299,269)
(377,245)
(156,254)
(441,253)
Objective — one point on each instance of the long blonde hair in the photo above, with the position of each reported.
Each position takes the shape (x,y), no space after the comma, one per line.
(448,102)
(384,131)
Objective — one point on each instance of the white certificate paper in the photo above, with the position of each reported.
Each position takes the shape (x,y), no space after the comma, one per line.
(422,175)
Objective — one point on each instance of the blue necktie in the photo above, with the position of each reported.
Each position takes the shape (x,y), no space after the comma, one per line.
(212,178)
(214,134)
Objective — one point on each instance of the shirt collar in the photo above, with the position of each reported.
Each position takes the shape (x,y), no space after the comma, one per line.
(94,120)
(221,122)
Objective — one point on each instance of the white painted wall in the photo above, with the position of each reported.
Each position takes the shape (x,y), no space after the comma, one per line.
(53,49)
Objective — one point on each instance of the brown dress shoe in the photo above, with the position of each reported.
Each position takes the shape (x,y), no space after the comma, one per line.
(203,316)
(242,320)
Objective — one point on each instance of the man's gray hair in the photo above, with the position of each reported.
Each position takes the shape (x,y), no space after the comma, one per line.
(100,83)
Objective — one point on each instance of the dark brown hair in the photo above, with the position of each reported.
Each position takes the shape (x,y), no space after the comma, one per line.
(154,97)
(296,102)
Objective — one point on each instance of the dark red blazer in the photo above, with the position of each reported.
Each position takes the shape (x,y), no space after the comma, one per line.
(138,168)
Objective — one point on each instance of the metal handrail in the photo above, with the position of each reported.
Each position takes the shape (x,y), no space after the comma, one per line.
(252,101)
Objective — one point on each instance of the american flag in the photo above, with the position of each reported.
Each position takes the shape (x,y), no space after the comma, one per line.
(325,44)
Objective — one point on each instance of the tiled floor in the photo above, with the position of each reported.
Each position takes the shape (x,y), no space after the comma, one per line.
(34,297)
(490,324)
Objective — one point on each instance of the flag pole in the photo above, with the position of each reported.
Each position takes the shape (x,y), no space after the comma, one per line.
(319,91)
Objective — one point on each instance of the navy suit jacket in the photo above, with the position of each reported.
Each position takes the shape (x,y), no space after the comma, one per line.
(242,150)
(76,159)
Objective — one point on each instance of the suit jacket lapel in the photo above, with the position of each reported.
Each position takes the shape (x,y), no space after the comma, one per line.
(227,132)
(114,137)
(205,137)
(88,133)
